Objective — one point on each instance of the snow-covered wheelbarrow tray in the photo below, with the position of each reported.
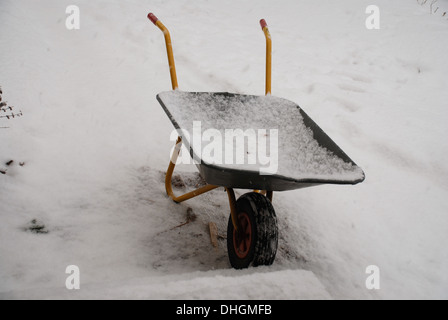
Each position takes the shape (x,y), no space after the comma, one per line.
(296,153)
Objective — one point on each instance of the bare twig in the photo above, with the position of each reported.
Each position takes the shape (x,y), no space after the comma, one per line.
(191,217)
(7,111)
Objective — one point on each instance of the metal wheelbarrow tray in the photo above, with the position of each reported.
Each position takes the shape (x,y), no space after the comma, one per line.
(278,147)
(306,155)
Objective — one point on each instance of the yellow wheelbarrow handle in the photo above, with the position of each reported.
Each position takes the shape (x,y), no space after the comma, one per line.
(264,27)
(169,48)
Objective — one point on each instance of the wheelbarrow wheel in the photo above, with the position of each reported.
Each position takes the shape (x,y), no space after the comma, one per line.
(255,242)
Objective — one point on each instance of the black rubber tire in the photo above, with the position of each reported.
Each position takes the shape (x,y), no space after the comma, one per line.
(264,232)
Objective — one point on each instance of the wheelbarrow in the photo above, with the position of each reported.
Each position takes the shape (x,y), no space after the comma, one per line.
(300,155)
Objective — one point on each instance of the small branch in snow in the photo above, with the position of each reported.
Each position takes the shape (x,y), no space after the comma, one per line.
(11,115)
(191,217)
(7,111)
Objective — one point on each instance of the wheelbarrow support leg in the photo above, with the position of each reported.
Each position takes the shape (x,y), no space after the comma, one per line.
(232,203)
(269,195)
(169,174)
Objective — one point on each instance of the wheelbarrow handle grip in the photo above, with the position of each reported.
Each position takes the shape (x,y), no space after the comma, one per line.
(263,24)
(152,17)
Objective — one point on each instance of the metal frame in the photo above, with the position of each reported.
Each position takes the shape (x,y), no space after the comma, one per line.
(264,27)
(169,174)
(169,49)
(177,148)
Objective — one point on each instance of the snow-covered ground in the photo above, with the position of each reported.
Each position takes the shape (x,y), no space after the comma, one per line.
(95,144)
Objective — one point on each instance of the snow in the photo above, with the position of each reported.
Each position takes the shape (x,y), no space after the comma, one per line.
(95,143)
(278,285)
(252,120)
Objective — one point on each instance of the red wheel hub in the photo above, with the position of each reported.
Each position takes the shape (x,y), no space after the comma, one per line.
(242,239)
